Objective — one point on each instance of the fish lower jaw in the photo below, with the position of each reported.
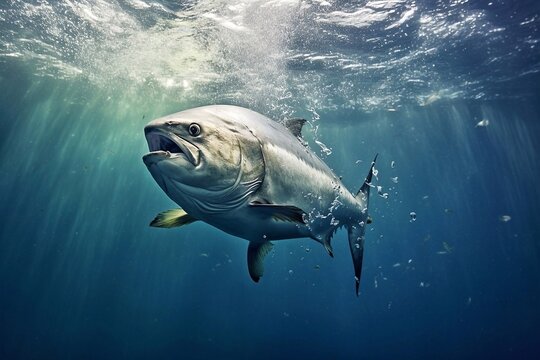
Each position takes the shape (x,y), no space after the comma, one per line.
(159,155)
(156,156)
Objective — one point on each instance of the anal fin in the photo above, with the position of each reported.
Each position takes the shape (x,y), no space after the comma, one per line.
(325,240)
(172,218)
(256,253)
(327,245)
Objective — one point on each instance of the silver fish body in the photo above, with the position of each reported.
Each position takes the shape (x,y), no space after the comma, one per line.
(254,178)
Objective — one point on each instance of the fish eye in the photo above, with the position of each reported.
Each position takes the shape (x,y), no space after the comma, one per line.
(194,129)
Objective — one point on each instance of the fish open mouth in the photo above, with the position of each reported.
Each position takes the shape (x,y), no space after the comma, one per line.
(164,145)
(157,141)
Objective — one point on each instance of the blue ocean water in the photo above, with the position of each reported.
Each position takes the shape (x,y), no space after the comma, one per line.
(447,92)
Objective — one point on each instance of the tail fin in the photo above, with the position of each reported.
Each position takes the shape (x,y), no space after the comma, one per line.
(364,189)
(356,231)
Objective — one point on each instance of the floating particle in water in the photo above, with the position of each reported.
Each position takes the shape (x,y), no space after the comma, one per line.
(447,247)
(394,179)
(482,123)
(358,161)
(308,249)
(412,214)
(469,300)
(204,255)
(442,252)
(427,100)
(375,172)
(425,197)
(448,211)
(424,284)
(396,265)
(381,193)
(393,164)
(323,147)
(389,305)
(286,314)
(375,283)
(317,267)
(410,261)
(505,218)
(291,272)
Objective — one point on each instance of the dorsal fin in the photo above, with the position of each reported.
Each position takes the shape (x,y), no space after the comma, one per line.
(295,126)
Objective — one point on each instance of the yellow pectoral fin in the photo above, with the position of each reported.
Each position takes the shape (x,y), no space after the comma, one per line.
(172,218)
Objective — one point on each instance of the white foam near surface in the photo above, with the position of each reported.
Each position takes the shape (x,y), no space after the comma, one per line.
(230,50)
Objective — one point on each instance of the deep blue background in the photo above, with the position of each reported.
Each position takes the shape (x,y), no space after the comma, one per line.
(83,276)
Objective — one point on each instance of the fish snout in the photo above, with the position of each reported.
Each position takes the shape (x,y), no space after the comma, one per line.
(163,124)
(153,126)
